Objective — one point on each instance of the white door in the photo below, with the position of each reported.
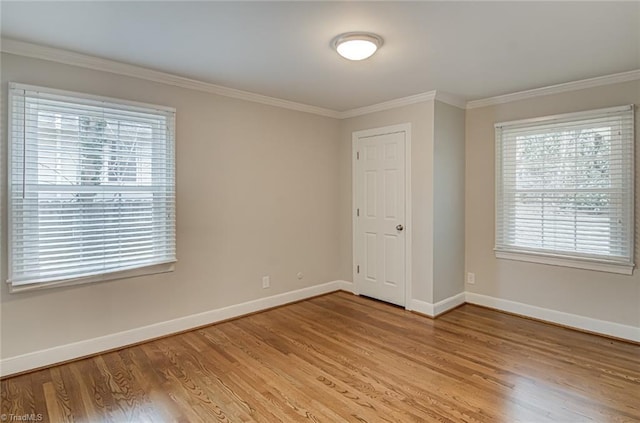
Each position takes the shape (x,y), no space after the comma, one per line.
(379,208)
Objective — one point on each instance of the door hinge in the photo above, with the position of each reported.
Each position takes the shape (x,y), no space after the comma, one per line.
(357,155)
(358,269)
(358,212)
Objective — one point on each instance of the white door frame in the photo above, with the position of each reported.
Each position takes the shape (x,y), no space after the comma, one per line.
(356,135)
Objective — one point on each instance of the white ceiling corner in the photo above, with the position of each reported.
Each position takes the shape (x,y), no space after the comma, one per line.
(451,99)
(86,61)
(76,59)
(462,53)
(391,104)
(632,75)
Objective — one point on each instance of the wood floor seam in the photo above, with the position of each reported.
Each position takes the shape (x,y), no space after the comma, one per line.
(341,357)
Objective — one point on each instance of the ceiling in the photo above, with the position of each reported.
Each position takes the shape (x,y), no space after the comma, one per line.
(282,49)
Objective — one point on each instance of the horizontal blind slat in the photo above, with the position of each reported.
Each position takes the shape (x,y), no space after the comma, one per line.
(92,186)
(565,184)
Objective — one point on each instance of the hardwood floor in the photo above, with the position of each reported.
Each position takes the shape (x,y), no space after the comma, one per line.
(344,358)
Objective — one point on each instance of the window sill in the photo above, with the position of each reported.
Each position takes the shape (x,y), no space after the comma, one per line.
(620,268)
(124,274)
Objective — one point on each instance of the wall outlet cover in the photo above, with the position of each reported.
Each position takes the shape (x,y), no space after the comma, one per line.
(471,278)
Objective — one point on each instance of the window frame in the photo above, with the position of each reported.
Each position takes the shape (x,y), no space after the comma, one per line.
(558,257)
(150,269)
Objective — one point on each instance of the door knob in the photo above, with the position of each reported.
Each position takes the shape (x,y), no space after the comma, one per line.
(399,227)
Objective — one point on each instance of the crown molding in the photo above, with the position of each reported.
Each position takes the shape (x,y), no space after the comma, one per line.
(556,89)
(22,48)
(391,104)
(67,57)
(35,51)
(451,99)
(405,101)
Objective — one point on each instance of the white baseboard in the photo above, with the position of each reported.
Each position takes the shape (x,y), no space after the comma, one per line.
(434,310)
(346,286)
(58,354)
(421,307)
(448,303)
(589,324)
(61,353)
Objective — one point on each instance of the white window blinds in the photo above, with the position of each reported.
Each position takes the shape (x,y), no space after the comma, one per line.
(91,186)
(564,188)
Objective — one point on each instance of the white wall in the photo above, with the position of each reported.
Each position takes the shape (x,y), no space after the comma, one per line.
(437,196)
(603,296)
(264,190)
(448,202)
(256,194)
(421,118)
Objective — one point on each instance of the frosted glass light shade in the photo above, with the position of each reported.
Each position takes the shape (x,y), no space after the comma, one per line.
(357,46)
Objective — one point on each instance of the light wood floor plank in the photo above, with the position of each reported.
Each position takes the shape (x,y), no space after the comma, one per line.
(341,357)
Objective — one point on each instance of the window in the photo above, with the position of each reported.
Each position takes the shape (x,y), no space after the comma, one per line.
(564,190)
(91,188)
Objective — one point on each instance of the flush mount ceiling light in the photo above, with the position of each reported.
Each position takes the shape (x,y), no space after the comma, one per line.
(357,45)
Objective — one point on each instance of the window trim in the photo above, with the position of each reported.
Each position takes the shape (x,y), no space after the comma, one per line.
(122,274)
(150,269)
(559,258)
(92,97)
(565,261)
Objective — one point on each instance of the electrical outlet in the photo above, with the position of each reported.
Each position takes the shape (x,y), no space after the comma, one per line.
(266,282)
(471,278)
